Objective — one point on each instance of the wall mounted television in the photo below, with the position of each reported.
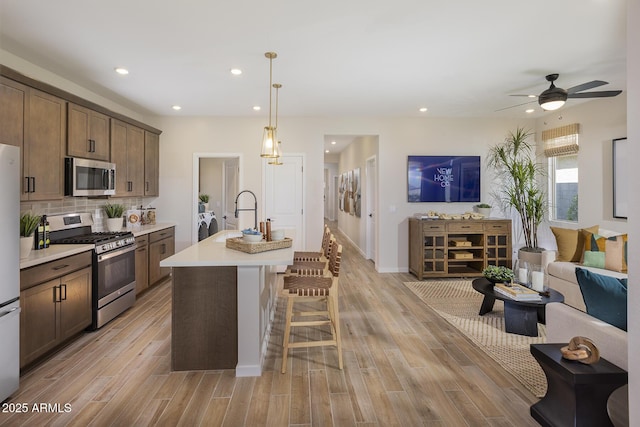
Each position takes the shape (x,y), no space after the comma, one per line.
(443,179)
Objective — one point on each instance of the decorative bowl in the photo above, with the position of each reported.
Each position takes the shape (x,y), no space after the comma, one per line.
(277,234)
(252,238)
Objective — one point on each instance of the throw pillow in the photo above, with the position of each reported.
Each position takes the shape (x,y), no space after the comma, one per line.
(570,242)
(593,259)
(614,249)
(604,296)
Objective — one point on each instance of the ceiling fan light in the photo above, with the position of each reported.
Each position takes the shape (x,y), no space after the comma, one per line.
(269,146)
(552,98)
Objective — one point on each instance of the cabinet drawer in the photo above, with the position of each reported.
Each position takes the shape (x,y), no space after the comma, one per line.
(41,273)
(498,227)
(162,234)
(465,227)
(428,228)
(142,240)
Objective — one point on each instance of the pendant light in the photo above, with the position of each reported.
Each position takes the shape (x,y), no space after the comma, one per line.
(278,148)
(269,138)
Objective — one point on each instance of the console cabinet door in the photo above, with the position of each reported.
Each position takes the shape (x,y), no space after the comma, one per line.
(39,330)
(142,264)
(88,133)
(12,101)
(127,152)
(44,147)
(75,303)
(151,163)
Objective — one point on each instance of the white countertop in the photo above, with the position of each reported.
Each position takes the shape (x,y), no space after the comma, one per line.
(55,252)
(211,253)
(52,253)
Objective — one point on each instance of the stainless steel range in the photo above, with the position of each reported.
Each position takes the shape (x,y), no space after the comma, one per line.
(114,274)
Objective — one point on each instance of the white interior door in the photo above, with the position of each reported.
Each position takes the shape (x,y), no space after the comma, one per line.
(230,190)
(371,193)
(283,197)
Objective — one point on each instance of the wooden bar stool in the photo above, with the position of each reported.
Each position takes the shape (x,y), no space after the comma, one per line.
(311,268)
(324,289)
(315,256)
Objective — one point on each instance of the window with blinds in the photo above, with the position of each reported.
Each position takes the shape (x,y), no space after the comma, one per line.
(561,147)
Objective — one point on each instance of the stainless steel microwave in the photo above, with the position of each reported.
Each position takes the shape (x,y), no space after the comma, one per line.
(85,177)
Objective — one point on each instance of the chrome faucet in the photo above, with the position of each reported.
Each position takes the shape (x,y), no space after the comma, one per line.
(255,208)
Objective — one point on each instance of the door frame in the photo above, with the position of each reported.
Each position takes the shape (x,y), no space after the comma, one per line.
(195,183)
(371,194)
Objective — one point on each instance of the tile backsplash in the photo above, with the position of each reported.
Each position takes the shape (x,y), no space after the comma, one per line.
(83,204)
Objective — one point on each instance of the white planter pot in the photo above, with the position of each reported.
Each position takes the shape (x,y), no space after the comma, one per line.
(484,211)
(206,207)
(26,244)
(114,224)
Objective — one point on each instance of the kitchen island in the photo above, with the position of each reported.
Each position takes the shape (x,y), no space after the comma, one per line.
(223,305)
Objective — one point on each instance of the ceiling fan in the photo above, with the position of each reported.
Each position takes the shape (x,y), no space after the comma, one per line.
(555,97)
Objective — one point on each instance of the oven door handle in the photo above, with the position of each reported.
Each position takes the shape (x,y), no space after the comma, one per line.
(116,253)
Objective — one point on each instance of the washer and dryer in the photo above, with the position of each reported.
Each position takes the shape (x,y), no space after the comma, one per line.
(207,224)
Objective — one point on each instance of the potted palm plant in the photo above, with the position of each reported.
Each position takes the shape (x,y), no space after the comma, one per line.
(28,224)
(516,170)
(114,216)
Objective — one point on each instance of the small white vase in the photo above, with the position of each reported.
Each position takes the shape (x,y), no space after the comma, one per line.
(206,207)
(26,244)
(114,224)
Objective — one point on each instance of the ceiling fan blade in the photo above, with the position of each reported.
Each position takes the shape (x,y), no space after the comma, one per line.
(513,106)
(524,95)
(599,94)
(585,86)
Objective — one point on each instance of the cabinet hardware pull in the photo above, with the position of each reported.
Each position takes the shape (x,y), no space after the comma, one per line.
(88,145)
(146,186)
(60,267)
(55,298)
(164,249)
(27,185)
(65,292)
(33,186)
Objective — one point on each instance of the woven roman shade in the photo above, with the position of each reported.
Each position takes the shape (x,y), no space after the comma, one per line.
(561,141)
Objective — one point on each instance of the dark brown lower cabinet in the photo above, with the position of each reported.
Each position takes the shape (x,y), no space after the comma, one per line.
(52,312)
(161,246)
(142,263)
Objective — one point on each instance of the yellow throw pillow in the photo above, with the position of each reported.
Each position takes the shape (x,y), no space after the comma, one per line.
(571,242)
(614,248)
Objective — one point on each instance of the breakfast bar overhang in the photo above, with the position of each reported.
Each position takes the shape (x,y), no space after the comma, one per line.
(223,305)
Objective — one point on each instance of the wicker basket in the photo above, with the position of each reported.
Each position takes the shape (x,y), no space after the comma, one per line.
(238,244)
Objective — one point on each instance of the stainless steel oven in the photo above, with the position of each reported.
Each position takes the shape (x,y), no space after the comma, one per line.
(114,279)
(113,268)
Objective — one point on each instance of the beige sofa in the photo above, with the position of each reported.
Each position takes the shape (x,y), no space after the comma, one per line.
(562,278)
(565,321)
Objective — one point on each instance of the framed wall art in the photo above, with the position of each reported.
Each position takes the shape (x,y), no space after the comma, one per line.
(620,177)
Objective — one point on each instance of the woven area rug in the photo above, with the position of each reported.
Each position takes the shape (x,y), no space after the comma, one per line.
(458,303)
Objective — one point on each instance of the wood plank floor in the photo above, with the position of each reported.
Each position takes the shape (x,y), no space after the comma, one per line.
(403,365)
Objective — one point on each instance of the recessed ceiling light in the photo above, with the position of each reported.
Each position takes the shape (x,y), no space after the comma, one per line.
(176,107)
(236,71)
(326,151)
(333,143)
(530,110)
(121,71)
(256,108)
(423,109)
(532,96)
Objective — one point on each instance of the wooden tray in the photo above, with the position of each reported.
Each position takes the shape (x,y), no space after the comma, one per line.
(238,244)
(459,241)
(460,255)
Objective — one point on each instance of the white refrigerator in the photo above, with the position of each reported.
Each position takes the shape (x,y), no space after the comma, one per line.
(9,270)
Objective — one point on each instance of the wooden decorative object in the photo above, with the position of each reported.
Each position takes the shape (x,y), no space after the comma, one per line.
(581,349)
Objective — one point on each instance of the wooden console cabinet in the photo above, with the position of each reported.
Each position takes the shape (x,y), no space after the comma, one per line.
(457,248)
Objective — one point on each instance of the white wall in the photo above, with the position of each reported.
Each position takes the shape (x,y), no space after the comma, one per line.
(633,134)
(331,171)
(211,182)
(600,121)
(355,157)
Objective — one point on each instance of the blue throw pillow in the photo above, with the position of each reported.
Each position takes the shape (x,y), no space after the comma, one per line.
(604,296)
